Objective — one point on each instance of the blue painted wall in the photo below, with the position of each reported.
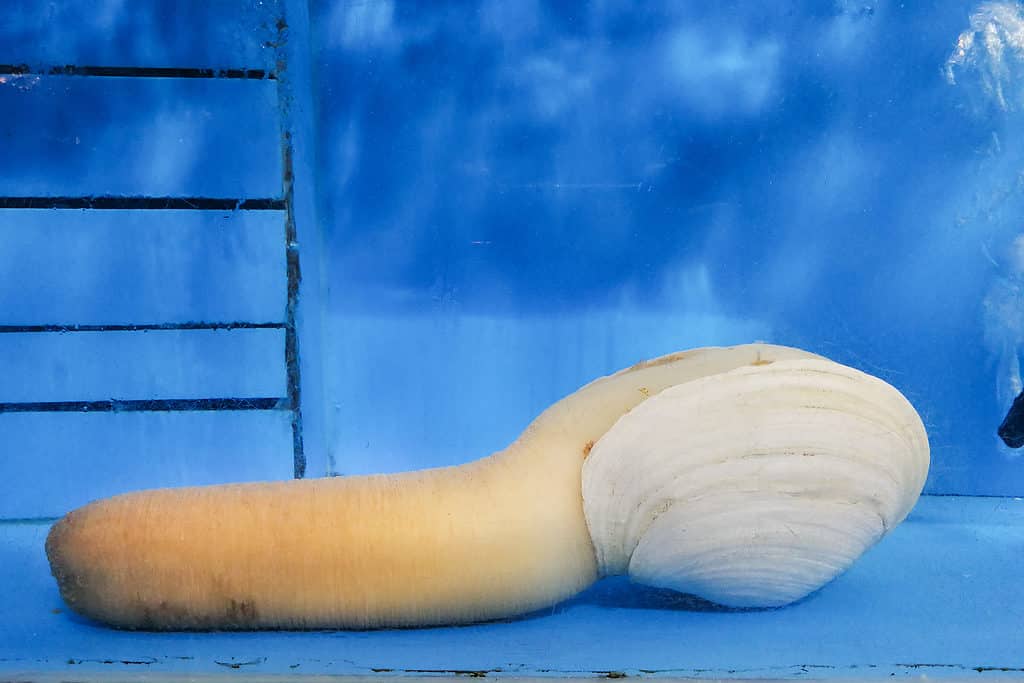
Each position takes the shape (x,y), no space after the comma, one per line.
(517,196)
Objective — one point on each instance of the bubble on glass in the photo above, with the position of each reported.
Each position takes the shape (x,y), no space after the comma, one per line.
(22,82)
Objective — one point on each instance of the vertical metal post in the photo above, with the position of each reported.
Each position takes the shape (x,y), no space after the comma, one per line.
(306,286)
(291,343)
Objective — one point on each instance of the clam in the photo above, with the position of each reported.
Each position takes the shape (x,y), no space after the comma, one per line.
(749,476)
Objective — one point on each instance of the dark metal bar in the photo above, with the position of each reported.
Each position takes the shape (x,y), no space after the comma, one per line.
(135,72)
(146,327)
(27,520)
(146,405)
(291,337)
(146,203)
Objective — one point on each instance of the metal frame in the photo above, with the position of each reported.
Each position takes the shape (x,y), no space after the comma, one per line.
(297,205)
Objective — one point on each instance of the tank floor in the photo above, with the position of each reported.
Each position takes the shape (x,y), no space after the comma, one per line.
(942,596)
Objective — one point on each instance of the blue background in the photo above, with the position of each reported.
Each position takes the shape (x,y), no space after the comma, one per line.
(513,198)
(527,194)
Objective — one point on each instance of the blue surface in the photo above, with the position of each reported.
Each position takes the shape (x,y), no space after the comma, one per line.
(159,33)
(95,366)
(76,136)
(464,386)
(938,597)
(132,267)
(54,462)
(813,175)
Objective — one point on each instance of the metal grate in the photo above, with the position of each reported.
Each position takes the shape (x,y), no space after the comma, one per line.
(292,401)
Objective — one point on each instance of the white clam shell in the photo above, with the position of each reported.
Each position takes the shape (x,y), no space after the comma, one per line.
(754,487)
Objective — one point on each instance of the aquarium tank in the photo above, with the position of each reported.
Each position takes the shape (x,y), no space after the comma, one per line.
(300,243)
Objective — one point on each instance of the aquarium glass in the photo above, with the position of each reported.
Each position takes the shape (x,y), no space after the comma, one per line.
(286,243)
(517,197)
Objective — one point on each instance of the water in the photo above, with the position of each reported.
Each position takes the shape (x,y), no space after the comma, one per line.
(495,202)
(532,189)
